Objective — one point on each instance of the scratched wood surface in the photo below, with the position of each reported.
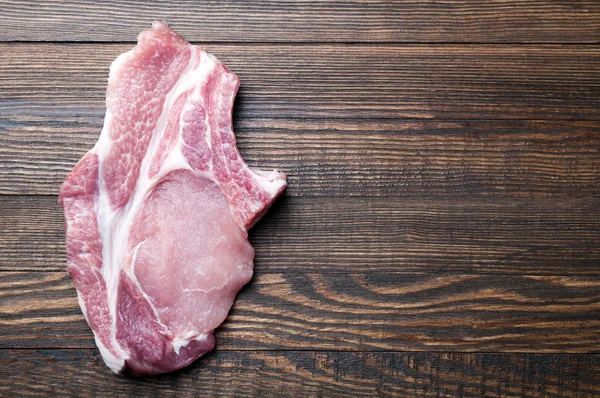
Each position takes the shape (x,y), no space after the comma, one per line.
(439,236)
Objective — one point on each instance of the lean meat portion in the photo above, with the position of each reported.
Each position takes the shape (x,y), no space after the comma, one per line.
(157,211)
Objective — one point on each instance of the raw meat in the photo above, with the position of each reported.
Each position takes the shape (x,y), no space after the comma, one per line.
(156,213)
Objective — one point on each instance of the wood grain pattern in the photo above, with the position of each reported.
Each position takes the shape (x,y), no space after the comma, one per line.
(354,234)
(358,311)
(310,373)
(359,81)
(513,21)
(444,165)
(446,159)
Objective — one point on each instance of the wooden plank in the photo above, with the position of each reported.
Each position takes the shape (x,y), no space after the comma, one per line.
(350,81)
(310,373)
(446,159)
(513,21)
(341,312)
(352,234)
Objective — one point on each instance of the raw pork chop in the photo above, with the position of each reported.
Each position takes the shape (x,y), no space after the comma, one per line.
(156,213)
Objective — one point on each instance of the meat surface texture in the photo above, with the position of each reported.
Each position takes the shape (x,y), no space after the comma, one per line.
(157,212)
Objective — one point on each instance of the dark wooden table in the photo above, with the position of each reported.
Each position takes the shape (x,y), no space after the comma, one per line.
(440,232)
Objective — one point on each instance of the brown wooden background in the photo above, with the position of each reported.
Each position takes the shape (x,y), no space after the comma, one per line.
(440,233)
